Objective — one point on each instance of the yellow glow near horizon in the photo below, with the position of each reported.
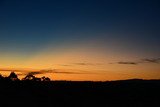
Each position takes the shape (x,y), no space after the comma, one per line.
(84,64)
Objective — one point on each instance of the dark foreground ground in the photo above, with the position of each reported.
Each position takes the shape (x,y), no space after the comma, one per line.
(128,93)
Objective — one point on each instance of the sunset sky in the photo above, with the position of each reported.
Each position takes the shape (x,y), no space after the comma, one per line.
(95,40)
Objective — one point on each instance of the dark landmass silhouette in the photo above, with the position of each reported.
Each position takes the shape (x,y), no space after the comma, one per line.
(31,92)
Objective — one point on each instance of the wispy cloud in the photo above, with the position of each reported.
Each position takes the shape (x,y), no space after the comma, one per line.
(87,64)
(82,64)
(54,71)
(35,73)
(130,63)
(146,60)
(151,60)
(44,71)
(65,65)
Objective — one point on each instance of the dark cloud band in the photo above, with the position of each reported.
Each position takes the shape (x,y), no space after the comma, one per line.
(146,60)
(130,63)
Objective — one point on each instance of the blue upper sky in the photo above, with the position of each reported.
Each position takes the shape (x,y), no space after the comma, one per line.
(27,26)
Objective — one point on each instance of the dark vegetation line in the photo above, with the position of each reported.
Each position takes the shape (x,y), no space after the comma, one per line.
(28,77)
(42,92)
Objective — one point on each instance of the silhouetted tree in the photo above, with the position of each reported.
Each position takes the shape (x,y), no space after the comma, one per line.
(45,78)
(37,79)
(31,78)
(1,77)
(13,76)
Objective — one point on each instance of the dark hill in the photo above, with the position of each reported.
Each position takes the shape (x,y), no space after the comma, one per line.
(126,93)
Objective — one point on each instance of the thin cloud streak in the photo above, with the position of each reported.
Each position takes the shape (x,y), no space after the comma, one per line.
(65,65)
(44,71)
(129,63)
(146,60)
(82,64)
(151,60)
(86,64)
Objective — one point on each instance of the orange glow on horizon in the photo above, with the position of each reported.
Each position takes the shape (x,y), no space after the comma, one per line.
(81,64)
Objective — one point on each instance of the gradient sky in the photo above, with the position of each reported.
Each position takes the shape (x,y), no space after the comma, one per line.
(81,39)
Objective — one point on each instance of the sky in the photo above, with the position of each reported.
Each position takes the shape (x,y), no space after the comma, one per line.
(95,40)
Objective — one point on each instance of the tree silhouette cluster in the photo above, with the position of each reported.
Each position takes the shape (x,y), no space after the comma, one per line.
(31,91)
(29,77)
